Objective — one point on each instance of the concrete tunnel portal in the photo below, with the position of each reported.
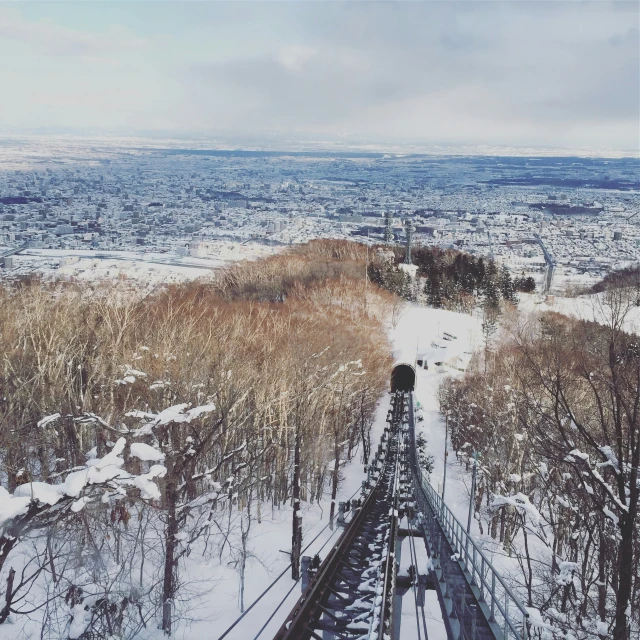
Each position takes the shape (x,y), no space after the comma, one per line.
(403,378)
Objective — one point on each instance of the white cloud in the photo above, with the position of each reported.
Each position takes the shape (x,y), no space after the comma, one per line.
(53,39)
(526,73)
(294,58)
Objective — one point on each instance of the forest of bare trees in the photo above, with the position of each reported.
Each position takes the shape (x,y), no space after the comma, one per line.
(554,414)
(131,430)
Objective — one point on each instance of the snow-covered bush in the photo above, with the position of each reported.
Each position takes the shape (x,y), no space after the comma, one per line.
(425,459)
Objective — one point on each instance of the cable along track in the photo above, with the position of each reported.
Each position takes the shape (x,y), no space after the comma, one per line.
(351,595)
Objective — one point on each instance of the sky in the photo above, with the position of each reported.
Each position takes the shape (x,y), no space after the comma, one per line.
(542,74)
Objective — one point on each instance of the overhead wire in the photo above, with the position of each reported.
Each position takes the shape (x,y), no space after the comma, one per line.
(264,626)
(264,593)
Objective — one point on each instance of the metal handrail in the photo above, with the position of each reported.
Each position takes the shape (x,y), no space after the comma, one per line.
(476,563)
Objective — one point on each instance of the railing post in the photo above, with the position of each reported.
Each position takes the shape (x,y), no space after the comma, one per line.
(466,554)
(506,614)
(473,621)
(473,567)
(493,596)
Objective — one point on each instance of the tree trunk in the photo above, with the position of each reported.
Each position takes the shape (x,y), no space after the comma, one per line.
(168,583)
(602,586)
(296,536)
(6,610)
(621,629)
(335,476)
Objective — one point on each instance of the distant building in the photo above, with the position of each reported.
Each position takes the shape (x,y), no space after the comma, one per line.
(354,217)
(63,229)
(198,249)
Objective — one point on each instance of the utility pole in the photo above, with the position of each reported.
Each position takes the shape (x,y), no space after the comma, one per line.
(473,489)
(296,533)
(366,275)
(446,454)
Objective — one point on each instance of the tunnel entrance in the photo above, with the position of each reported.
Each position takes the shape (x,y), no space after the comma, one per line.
(403,378)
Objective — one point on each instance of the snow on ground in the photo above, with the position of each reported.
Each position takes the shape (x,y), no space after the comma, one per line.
(210,595)
(422,324)
(586,307)
(151,267)
(209,600)
(425,326)
(270,540)
(425,332)
(566,278)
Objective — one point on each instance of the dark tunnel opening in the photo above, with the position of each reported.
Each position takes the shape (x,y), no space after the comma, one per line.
(403,378)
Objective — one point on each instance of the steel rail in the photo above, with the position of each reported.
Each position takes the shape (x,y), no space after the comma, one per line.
(308,609)
(388,588)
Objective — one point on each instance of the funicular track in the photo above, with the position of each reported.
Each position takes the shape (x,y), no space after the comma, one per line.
(351,595)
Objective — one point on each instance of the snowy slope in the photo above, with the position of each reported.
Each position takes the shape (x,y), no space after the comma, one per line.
(418,327)
(421,325)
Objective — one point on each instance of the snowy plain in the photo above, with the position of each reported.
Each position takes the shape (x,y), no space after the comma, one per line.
(153,268)
(590,307)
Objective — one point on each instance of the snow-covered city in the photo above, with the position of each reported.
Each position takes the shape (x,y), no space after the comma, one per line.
(81,207)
